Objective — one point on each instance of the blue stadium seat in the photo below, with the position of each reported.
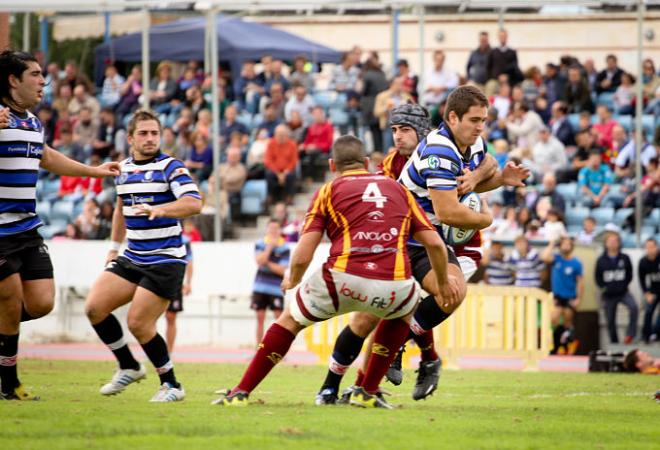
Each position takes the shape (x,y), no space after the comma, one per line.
(569,191)
(246,119)
(324,98)
(654,218)
(48,231)
(622,214)
(574,120)
(573,230)
(77,209)
(339,102)
(48,188)
(607,99)
(628,240)
(61,211)
(338,117)
(43,211)
(575,216)
(253,197)
(626,122)
(647,231)
(603,214)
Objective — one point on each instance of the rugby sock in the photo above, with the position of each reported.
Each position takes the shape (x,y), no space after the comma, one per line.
(8,357)
(272,349)
(359,378)
(156,351)
(390,336)
(425,343)
(110,332)
(347,348)
(556,338)
(25,316)
(427,316)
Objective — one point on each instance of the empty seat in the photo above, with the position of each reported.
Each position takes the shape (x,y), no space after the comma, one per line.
(622,214)
(603,215)
(575,216)
(61,211)
(253,197)
(43,211)
(569,191)
(654,218)
(338,117)
(324,98)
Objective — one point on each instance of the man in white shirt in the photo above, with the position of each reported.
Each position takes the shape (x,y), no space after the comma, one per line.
(439,80)
(549,154)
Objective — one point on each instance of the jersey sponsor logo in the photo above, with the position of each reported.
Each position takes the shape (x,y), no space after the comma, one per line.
(380,350)
(370,265)
(137,199)
(43,249)
(181,171)
(434,162)
(35,150)
(373,249)
(375,302)
(614,275)
(148,176)
(376,216)
(375,236)
(122,178)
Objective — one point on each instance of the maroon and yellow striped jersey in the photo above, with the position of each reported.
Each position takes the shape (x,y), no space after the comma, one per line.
(368,218)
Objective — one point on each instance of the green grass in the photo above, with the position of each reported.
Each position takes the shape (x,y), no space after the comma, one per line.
(472,409)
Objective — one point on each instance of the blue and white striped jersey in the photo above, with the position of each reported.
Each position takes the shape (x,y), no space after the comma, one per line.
(435,164)
(527,268)
(21,149)
(156,182)
(499,272)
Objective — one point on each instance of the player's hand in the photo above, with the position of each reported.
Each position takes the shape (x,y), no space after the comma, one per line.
(574,303)
(112,255)
(650,298)
(145,209)
(514,174)
(449,292)
(4,117)
(186,289)
(286,284)
(467,182)
(109,169)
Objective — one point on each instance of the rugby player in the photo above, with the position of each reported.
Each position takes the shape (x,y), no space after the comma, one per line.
(154,191)
(27,290)
(368,218)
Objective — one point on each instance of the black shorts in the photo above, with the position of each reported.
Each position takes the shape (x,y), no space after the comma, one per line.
(263,301)
(25,254)
(420,264)
(164,280)
(176,305)
(563,302)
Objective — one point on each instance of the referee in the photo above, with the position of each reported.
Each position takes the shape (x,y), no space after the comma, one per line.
(27,289)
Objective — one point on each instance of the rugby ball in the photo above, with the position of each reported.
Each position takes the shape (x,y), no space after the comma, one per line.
(460,236)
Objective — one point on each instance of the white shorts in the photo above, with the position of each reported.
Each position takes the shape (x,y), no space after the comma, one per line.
(328,293)
(468,266)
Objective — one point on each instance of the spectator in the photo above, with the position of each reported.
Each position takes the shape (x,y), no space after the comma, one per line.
(111,92)
(548,153)
(87,222)
(290,228)
(111,137)
(578,92)
(503,60)
(625,95)
(195,101)
(316,146)
(231,125)
(300,75)
(163,88)
(549,192)
(276,100)
(86,129)
(68,147)
(205,122)
(270,119)
(169,144)
(266,71)
(82,99)
(523,126)
(104,228)
(567,282)
(590,73)
(495,127)
(277,77)
(498,270)
(410,80)
(502,101)
(624,165)
(501,148)
(345,75)
(46,116)
(561,127)
(586,143)
(73,77)
(584,121)
(130,92)
(639,361)
(248,88)
(52,80)
(301,102)
(554,84)
(588,232)
(594,180)
(232,176)
(272,257)
(649,280)
(526,263)
(439,82)
(619,141)
(613,276)
(385,102)
(256,154)
(603,128)
(650,80)
(63,98)
(296,127)
(373,83)
(553,228)
(280,161)
(200,159)
(609,78)
(508,228)
(477,65)
(532,85)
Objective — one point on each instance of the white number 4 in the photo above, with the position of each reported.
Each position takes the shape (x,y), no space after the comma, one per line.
(372,194)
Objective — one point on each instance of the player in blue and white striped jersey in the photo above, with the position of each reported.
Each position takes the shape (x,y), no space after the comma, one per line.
(27,289)
(154,191)
(498,269)
(526,263)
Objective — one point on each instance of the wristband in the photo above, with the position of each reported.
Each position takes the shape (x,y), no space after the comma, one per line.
(115,246)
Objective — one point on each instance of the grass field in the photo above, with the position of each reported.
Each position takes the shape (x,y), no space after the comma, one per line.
(472,409)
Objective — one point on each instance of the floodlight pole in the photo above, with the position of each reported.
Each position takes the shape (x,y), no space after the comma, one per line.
(215,112)
(43,38)
(26,32)
(396,12)
(638,125)
(421,11)
(146,24)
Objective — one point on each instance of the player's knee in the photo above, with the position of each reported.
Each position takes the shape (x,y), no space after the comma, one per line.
(362,324)
(94,313)
(138,327)
(170,317)
(40,309)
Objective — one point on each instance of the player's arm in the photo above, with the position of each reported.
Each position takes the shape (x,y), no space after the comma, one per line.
(262,257)
(277,269)
(473,180)
(512,175)
(547,255)
(117,230)
(301,258)
(183,207)
(579,291)
(187,282)
(56,162)
(450,211)
(437,253)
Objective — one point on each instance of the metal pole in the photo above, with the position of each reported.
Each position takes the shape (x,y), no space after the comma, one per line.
(146,24)
(421,11)
(43,38)
(395,37)
(638,124)
(26,32)
(215,112)
(207,46)
(106,33)
(500,18)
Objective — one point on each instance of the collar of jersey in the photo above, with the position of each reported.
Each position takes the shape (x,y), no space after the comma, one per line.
(145,161)
(354,172)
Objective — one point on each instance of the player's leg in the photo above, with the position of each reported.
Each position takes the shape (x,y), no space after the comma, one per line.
(170,333)
(631,330)
(11,296)
(259,304)
(346,350)
(143,314)
(555,320)
(276,304)
(38,285)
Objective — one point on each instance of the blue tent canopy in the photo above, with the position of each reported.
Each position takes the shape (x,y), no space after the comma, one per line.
(238,41)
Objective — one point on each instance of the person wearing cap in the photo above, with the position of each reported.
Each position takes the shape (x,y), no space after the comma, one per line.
(614,273)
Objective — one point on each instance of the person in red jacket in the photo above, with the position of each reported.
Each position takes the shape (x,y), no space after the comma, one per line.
(316,146)
(281,159)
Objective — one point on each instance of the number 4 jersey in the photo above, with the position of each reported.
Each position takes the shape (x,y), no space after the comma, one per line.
(368,219)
